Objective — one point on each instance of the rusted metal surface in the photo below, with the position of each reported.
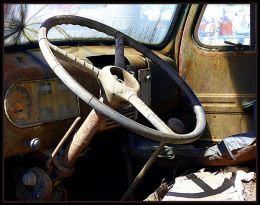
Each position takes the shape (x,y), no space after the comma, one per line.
(30,103)
(218,127)
(228,103)
(88,51)
(240,156)
(172,49)
(221,79)
(33,68)
(30,65)
(243,155)
(82,138)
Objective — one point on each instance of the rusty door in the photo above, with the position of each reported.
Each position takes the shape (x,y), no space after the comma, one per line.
(222,76)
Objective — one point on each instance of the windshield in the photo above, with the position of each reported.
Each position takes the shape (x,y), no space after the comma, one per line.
(145,23)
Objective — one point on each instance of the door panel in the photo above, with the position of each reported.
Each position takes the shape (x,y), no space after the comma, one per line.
(221,80)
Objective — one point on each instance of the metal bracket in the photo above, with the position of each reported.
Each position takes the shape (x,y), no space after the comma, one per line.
(144,78)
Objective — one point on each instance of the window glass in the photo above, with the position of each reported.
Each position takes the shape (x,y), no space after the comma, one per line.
(224,24)
(148,23)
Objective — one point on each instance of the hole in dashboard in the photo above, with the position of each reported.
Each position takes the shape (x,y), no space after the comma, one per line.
(104,60)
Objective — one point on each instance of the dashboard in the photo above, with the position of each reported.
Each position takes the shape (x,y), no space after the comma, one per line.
(38,106)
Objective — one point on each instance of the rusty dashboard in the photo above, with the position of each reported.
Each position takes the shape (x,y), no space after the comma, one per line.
(37,105)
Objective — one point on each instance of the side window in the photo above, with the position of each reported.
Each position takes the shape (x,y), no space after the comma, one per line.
(224,25)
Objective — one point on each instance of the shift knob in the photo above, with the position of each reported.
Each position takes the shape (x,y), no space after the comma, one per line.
(176,125)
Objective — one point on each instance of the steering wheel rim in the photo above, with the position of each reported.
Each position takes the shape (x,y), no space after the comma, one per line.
(140,129)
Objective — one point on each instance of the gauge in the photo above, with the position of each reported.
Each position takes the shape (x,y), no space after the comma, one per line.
(18,104)
(31,103)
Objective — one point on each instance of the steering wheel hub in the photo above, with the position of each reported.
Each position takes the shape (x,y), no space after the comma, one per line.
(118,85)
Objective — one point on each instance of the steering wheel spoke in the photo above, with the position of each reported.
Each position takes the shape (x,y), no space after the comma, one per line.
(83,65)
(149,114)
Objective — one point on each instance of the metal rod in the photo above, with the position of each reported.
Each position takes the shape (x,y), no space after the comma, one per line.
(129,169)
(62,141)
(119,51)
(160,125)
(142,172)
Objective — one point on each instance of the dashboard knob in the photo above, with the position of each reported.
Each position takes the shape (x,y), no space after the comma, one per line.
(34,143)
(29,178)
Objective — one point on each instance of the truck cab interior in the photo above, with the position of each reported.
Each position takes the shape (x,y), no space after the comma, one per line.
(104,102)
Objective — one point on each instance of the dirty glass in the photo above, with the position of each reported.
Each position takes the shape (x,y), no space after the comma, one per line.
(146,23)
(224,23)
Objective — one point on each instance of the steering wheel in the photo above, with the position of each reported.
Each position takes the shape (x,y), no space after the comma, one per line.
(117,84)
